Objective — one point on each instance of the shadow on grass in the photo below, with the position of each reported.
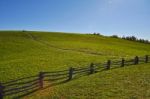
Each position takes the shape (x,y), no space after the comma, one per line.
(25,86)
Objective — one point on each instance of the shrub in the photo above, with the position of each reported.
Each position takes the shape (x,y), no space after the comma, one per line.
(115,36)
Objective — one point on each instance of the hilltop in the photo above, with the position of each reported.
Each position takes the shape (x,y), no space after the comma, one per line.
(25,53)
(48,51)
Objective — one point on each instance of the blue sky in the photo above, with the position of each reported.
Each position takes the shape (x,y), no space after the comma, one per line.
(121,17)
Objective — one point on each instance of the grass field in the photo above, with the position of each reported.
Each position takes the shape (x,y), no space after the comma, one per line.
(122,83)
(27,53)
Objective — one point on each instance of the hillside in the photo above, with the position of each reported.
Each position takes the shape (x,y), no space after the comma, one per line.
(122,83)
(27,53)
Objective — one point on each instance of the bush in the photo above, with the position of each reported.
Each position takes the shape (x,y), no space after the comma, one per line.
(96,33)
(115,36)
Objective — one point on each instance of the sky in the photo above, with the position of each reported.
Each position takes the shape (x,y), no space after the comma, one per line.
(108,17)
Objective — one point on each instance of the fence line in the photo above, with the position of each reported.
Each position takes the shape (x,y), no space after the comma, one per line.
(10,88)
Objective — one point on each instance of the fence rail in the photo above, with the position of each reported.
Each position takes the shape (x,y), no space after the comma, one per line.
(37,82)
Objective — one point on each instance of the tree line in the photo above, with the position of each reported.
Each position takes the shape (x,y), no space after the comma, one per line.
(130,38)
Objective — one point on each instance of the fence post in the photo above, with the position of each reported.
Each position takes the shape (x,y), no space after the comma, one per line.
(108,64)
(136,60)
(122,62)
(92,70)
(1,91)
(71,70)
(146,59)
(41,79)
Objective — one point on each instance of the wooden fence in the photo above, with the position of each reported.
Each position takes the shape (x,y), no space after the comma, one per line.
(34,83)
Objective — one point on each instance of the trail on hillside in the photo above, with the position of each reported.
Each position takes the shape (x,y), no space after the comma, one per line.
(59,48)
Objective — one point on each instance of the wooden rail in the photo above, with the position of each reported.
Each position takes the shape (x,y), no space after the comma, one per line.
(37,82)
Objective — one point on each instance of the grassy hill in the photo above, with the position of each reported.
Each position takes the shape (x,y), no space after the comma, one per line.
(122,83)
(27,53)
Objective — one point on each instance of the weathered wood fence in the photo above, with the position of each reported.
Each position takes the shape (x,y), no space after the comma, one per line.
(37,82)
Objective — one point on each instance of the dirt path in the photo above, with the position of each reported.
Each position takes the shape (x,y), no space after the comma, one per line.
(59,48)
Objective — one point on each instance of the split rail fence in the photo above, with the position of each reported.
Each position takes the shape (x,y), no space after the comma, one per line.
(36,82)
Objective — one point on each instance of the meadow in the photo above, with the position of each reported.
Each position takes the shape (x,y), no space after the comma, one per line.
(26,53)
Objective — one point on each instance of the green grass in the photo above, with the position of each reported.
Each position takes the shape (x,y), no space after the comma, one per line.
(131,82)
(27,53)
